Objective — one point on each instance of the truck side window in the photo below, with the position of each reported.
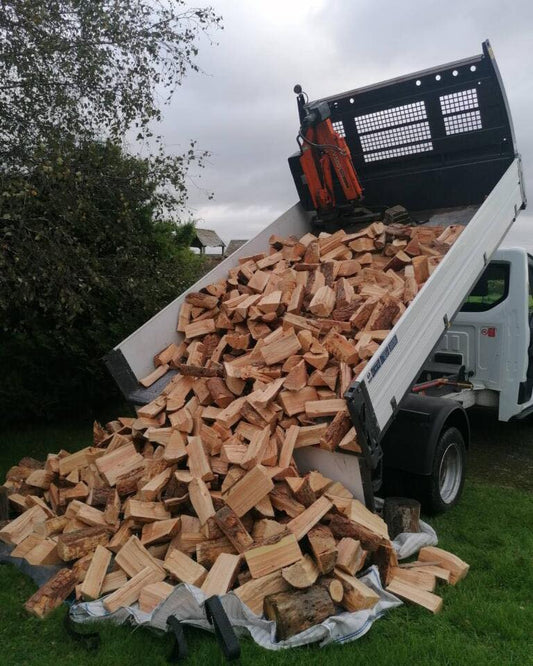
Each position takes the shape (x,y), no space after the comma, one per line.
(491,288)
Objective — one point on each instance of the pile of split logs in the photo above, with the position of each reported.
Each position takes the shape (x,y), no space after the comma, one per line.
(201,487)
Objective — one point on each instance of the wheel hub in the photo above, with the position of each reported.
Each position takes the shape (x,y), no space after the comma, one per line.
(450,473)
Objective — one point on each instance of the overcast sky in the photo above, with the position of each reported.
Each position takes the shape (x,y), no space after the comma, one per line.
(243,109)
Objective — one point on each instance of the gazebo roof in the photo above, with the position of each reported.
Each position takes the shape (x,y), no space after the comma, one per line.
(234,245)
(207,238)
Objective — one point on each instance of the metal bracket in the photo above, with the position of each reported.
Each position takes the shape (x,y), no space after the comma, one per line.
(368,436)
(365,422)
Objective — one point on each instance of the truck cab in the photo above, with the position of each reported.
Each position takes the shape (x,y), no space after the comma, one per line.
(490,338)
(487,347)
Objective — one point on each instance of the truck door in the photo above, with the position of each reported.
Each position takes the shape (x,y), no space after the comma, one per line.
(485,323)
(490,335)
(475,336)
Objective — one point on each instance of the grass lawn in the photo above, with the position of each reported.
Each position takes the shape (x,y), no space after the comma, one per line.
(487,619)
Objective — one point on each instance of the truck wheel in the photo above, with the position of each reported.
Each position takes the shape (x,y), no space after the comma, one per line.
(442,489)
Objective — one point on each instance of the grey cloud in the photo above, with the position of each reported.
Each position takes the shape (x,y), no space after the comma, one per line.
(243,109)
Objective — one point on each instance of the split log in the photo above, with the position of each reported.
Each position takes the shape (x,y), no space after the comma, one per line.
(153,594)
(323,548)
(247,492)
(76,544)
(154,376)
(183,568)
(145,512)
(344,527)
(43,553)
(414,594)
(113,581)
(280,350)
(351,556)
(94,578)
(386,560)
(17,530)
(222,575)
(133,557)
(208,550)
(301,524)
(418,577)
(201,500)
(357,596)
(336,430)
(220,393)
(302,573)
(263,560)
(160,531)
(455,565)
(429,567)
(51,594)
(253,592)
(130,591)
(229,522)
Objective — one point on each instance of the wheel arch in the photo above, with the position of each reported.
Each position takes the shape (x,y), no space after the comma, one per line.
(410,442)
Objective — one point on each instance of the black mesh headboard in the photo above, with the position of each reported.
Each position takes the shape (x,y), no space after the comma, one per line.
(434,139)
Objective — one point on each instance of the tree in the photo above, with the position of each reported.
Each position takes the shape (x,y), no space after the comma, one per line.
(87,248)
(83,263)
(73,71)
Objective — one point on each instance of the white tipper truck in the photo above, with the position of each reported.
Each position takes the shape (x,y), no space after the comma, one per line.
(441,143)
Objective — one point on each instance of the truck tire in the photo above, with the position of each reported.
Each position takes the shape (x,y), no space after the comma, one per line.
(442,489)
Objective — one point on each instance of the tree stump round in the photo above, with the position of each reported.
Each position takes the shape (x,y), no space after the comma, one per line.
(296,611)
(401,515)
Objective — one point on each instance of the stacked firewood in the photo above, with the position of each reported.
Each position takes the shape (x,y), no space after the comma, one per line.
(201,486)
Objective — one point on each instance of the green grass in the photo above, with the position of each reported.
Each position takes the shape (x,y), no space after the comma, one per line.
(38,442)
(486,619)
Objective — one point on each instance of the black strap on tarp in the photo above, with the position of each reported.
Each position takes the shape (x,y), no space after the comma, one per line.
(226,637)
(180,650)
(89,639)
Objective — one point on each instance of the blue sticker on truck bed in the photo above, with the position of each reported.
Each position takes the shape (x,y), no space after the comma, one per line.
(381,359)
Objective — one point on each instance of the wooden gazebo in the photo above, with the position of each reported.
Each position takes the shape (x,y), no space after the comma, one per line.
(205,238)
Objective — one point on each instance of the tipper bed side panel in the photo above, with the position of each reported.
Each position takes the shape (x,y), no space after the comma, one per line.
(132,358)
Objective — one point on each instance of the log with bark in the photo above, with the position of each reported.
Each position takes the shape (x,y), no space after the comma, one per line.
(401,515)
(296,611)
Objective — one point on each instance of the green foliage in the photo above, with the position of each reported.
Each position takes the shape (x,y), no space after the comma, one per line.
(83,263)
(77,70)
(87,253)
